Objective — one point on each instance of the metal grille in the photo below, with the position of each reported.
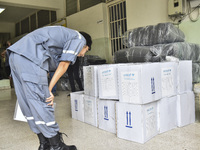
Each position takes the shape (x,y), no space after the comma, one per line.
(118,24)
(39,19)
(74,6)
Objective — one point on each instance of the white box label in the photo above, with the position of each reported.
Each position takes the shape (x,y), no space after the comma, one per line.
(108,82)
(150,116)
(167,81)
(130,86)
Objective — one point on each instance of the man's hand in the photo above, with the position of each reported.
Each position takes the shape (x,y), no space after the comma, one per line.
(3,54)
(50,99)
(62,68)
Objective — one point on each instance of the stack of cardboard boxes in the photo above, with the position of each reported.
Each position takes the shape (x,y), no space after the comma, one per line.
(136,101)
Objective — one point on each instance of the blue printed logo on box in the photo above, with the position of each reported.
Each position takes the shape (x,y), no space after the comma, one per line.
(153,89)
(106,113)
(76,104)
(128,120)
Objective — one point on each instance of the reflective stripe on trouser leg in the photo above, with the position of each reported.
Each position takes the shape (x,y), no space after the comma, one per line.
(33,90)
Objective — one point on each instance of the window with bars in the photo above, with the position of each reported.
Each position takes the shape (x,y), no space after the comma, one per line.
(118,25)
(74,6)
(36,20)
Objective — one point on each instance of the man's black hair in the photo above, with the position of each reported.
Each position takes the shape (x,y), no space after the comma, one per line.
(87,38)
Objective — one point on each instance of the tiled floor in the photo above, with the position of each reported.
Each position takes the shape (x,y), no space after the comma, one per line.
(15,135)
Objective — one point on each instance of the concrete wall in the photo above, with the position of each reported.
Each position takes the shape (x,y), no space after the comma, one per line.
(94,21)
(191,30)
(59,6)
(8,28)
(144,12)
(47,4)
(140,13)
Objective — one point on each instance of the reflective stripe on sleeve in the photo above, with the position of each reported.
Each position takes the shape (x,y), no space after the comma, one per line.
(79,35)
(69,52)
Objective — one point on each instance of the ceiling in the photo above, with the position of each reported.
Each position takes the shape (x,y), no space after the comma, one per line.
(13,14)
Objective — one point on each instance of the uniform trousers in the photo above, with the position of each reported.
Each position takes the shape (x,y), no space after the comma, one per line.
(31,87)
(73,72)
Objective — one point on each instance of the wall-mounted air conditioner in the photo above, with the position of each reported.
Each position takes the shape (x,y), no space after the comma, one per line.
(176,7)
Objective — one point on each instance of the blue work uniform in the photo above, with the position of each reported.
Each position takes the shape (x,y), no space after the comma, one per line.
(31,58)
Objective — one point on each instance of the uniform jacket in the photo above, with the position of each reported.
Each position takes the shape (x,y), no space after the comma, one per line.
(47,46)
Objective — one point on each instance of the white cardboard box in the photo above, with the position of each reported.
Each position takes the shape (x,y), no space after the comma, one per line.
(77,105)
(136,123)
(167,114)
(106,115)
(18,115)
(91,81)
(184,76)
(139,83)
(185,109)
(107,79)
(90,110)
(168,78)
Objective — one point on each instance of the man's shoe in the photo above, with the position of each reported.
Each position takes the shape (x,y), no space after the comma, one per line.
(57,143)
(44,142)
